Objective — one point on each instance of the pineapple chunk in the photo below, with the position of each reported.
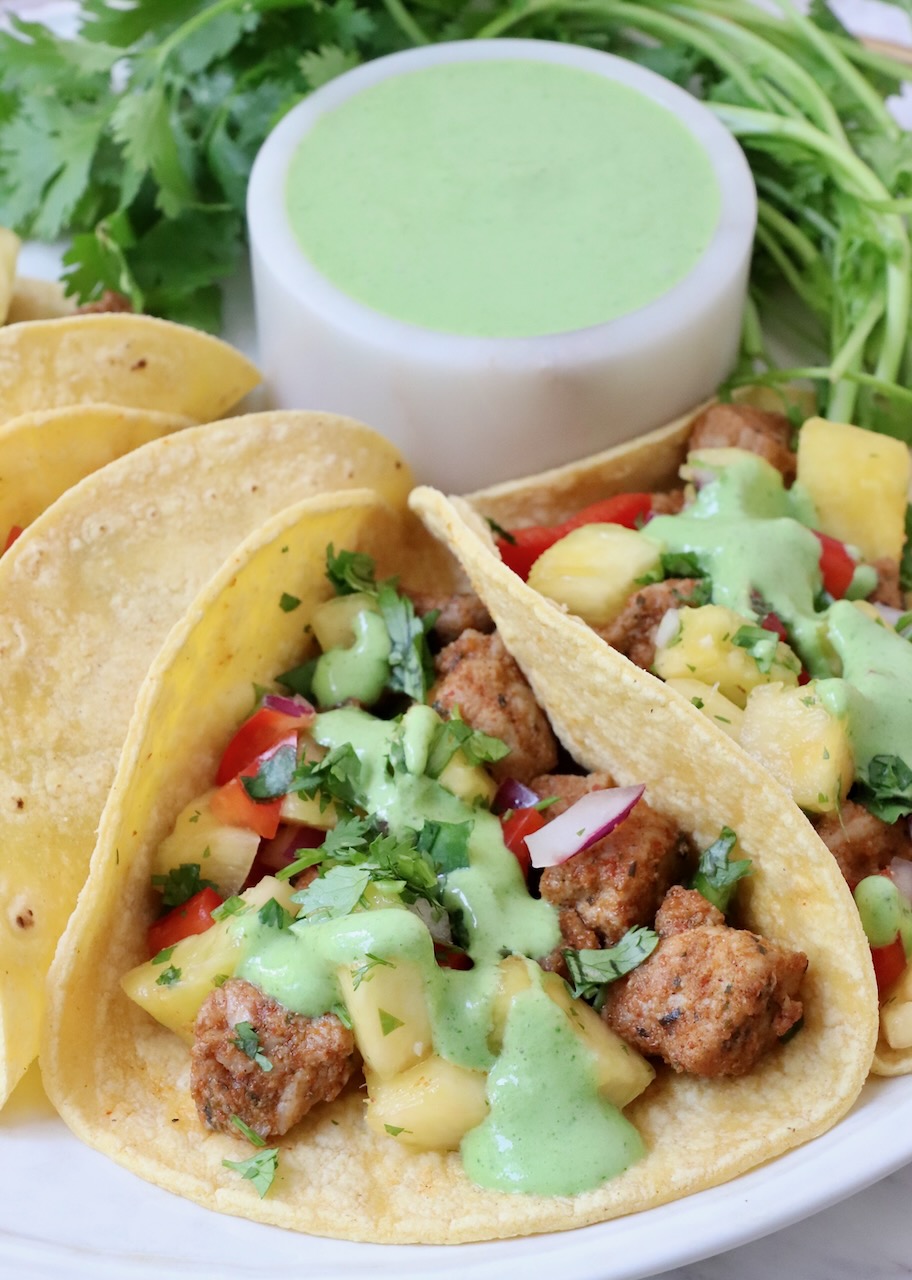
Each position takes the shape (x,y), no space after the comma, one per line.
(704,650)
(470,782)
(714,705)
(305,811)
(332,621)
(199,962)
(621,1072)
(858,482)
(431,1107)
(896,1012)
(225,854)
(793,735)
(594,569)
(389,1014)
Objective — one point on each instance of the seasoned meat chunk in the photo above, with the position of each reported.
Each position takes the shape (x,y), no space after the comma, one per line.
(477,675)
(684,909)
(457,613)
(861,843)
(573,934)
(668,504)
(110,300)
(710,1001)
(619,881)
(888,590)
(312,1060)
(740,426)
(633,631)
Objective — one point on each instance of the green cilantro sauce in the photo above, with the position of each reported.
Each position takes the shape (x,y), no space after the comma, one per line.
(502,198)
(753,538)
(549,1131)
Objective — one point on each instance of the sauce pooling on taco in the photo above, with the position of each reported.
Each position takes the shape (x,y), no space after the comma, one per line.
(399,872)
(768,592)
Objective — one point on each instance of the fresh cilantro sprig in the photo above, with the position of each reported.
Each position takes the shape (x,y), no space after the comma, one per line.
(455,735)
(592,971)
(180,884)
(884,787)
(716,877)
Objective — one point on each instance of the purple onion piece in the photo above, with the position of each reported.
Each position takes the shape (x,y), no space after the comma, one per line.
(513,795)
(294,706)
(901,874)
(591,818)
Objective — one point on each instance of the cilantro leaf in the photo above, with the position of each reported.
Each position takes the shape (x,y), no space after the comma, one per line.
(446,843)
(591,971)
(248,1042)
(335,778)
(716,877)
(411,663)
(350,571)
(259,1169)
(388,1021)
(274,776)
(230,907)
(454,735)
(288,603)
(760,644)
(364,971)
(168,976)
(163,956)
(885,788)
(274,915)
(181,883)
(335,894)
(299,679)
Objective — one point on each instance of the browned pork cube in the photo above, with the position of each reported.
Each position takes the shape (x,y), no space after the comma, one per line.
(740,426)
(619,881)
(862,844)
(633,631)
(477,675)
(311,1061)
(709,1000)
(463,611)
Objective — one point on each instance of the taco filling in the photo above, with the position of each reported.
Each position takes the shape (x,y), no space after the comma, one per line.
(767,590)
(399,877)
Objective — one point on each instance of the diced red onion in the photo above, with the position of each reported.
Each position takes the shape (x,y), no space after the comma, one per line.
(286,844)
(294,706)
(901,874)
(668,628)
(592,817)
(513,795)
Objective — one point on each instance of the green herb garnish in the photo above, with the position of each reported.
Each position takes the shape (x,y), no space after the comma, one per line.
(259,1169)
(248,1042)
(181,883)
(716,877)
(592,971)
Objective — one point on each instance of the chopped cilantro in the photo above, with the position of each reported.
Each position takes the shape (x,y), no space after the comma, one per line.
(335,778)
(274,915)
(274,776)
(248,1042)
(288,603)
(411,663)
(164,955)
(220,979)
(250,1134)
(194,817)
(259,1169)
(447,844)
(180,884)
(760,644)
(363,971)
(395,1129)
(230,907)
(698,703)
(455,735)
(592,971)
(342,1014)
(350,571)
(500,531)
(333,895)
(168,976)
(716,877)
(885,788)
(681,564)
(299,679)
(388,1022)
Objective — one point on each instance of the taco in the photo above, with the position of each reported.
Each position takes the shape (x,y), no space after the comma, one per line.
(756,568)
(301,875)
(89,592)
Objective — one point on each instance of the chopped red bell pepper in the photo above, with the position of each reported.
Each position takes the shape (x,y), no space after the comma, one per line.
(889,963)
(192,916)
(516,826)
(452,957)
(232,805)
(628,509)
(256,735)
(11,537)
(836,565)
(772,622)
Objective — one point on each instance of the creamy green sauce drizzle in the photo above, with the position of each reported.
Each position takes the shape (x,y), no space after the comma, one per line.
(753,537)
(549,1131)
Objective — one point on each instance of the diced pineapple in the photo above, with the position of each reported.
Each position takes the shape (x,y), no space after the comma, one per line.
(704,649)
(388,1009)
(470,782)
(305,811)
(714,705)
(806,748)
(173,990)
(225,854)
(896,1012)
(622,1073)
(858,482)
(332,621)
(431,1107)
(594,569)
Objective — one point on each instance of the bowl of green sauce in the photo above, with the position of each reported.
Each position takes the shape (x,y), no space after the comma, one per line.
(502,254)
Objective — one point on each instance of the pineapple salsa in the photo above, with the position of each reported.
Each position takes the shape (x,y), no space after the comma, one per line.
(767,591)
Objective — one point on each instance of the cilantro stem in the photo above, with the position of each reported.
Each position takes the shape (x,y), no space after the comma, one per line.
(786,230)
(191,26)
(405,22)
(785,264)
(850,354)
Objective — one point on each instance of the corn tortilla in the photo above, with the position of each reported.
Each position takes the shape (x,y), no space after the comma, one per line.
(70,443)
(89,591)
(121,1081)
(34,299)
(119,358)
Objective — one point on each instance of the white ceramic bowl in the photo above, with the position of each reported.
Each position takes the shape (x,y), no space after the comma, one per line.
(467,411)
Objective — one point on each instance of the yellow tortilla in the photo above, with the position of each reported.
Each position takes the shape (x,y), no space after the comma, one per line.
(9,252)
(45,453)
(648,463)
(117,358)
(121,1081)
(38,300)
(89,592)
